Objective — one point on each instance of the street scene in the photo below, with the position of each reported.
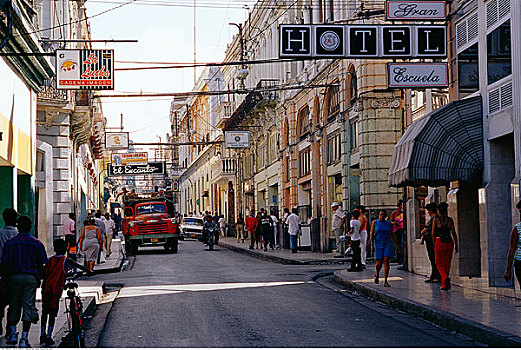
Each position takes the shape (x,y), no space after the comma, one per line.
(258,173)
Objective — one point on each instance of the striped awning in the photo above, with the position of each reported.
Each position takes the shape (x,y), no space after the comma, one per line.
(445,145)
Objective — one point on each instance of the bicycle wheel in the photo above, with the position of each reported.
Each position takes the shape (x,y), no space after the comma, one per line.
(76,326)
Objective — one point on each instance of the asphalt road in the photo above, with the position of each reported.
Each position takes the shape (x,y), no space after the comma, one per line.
(199,298)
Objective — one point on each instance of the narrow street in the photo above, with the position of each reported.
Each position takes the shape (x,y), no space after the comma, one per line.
(200,298)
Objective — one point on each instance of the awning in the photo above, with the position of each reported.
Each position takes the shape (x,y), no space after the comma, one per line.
(445,145)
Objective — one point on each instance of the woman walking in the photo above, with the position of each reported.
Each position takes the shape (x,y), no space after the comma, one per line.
(382,245)
(240,228)
(514,253)
(91,243)
(445,241)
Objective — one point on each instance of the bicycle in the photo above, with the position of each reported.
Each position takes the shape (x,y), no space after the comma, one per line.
(74,311)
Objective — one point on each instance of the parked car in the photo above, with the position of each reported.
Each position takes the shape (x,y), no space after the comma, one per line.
(192,227)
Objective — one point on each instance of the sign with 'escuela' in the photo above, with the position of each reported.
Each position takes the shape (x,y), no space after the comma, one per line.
(418,75)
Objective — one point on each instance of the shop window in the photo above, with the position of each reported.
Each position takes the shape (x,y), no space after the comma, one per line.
(334,148)
(305,162)
(303,122)
(354,133)
(468,70)
(499,56)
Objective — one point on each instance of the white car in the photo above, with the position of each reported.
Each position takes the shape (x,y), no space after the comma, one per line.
(192,227)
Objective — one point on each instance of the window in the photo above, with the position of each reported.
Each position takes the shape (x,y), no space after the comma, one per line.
(286,169)
(261,155)
(305,162)
(303,123)
(468,70)
(285,133)
(334,148)
(499,56)
(273,148)
(353,86)
(355,139)
(333,100)
(40,161)
(150,208)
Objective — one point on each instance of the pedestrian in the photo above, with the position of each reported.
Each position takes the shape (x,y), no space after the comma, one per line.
(514,252)
(9,230)
(445,241)
(23,257)
(363,234)
(435,277)
(354,233)
(337,225)
(397,229)
(52,288)
(293,222)
(240,228)
(118,221)
(275,228)
(222,225)
(382,245)
(91,243)
(69,228)
(266,229)
(251,226)
(101,225)
(216,217)
(110,231)
(285,233)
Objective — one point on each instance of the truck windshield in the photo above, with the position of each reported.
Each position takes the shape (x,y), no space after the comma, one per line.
(150,208)
(193,221)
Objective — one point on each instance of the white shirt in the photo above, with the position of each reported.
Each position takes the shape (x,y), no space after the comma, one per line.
(222,222)
(293,222)
(109,226)
(355,225)
(338,215)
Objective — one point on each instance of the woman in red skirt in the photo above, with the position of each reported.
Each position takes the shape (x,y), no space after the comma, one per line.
(445,241)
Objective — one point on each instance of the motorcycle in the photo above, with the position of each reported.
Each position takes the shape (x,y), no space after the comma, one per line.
(211,236)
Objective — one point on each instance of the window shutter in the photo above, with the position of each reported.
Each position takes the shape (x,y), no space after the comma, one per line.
(467,30)
(494,104)
(506,95)
(496,10)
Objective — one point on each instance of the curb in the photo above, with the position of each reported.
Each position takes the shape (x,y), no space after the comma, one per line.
(113,269)
(451,322)
(280,260)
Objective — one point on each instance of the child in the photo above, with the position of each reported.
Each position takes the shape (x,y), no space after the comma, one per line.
(52,288)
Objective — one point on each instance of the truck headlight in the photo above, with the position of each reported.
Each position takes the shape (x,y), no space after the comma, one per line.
(131,224)
(173,221)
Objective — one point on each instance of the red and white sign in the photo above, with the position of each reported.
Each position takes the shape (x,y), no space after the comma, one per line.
(408,10)
(85,69)
(417,75)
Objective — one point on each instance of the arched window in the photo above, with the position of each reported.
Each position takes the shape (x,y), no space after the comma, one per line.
(353,85)
(285,133)
(303,122)
(333,101)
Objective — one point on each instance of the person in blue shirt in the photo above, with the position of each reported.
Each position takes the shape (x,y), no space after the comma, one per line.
(23,260)
(9,230)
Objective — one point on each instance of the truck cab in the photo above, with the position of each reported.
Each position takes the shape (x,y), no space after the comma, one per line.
(149,222)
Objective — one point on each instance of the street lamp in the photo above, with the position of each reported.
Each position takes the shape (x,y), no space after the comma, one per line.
(243,71)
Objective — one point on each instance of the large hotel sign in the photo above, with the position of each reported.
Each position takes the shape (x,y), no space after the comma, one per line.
(408,10)
(362,41)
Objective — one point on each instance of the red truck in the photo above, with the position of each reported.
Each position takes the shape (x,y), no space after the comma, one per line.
(149,220)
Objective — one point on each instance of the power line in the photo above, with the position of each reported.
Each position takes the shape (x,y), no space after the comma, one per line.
(215,64)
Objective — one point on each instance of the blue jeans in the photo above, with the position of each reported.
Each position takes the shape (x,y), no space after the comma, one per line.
(293,242)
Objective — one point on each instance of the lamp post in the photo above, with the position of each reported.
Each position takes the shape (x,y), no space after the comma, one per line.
(243,72)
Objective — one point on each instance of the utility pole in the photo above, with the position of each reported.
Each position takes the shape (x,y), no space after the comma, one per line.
(243,72)
(121,123)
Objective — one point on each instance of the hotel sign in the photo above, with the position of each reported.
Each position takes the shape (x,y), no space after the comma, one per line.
(362,41)
(408,10)
(85,69)
(237,139)
(417,75)
(134,170)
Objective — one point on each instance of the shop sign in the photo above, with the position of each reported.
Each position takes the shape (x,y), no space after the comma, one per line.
(85,69)
(134,170)
(362,41)
(417,75)
(138,158)
(407,10)
(116,140)
(237,139)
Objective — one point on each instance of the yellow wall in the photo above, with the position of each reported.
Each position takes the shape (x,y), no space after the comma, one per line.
(11,137)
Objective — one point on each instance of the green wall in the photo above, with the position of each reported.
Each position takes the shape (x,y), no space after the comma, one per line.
(6,192)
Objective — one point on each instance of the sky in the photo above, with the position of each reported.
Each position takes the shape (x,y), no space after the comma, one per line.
(164,29)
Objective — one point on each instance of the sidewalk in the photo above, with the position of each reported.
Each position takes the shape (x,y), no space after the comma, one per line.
(114,261)
(282,256)
(485,317)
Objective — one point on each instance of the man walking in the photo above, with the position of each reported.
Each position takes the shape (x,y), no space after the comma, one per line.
(337,224)
(9,230)
(222,225)
(275,228)
(24,258)
(355,224)
(251,226)
(363,234)
(266,229)
(101,225)
(293,222)
(110,230)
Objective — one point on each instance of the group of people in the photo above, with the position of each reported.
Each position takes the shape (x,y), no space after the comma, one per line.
(23,265)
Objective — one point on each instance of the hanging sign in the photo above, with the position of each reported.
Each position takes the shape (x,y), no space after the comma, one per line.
(134,170)
(138,158)
(362,41)
(116,140)
(237,139)
(408,10)
(85,69)
(417,75)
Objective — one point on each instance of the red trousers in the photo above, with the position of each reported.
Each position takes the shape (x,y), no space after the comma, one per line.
(443,258)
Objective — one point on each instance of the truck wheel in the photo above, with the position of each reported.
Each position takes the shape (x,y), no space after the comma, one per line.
(134,248)
(175,246)
(171,245)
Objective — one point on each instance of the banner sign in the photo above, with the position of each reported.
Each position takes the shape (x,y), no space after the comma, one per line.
(85,69)
(134,170)
(362,41)
(116,140)
(418,75)
(237,139)
(140,158)
(408,10)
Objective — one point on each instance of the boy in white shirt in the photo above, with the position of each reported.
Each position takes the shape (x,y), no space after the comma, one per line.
(354,232)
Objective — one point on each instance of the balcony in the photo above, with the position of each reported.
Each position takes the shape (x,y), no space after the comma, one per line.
(224,170)
(271,95)
(224,112)
(49,95)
